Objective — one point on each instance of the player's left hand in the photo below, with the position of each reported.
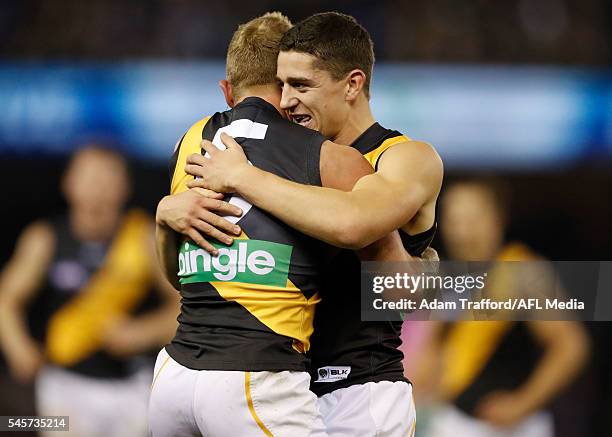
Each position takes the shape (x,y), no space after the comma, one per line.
(219,170)
(502,408)
(122,338)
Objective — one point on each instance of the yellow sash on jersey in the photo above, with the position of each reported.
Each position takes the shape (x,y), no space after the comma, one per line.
(469,345)
(374,155)
(190,144)
(75,330)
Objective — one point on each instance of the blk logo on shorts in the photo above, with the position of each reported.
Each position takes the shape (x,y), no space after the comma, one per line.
(333,373)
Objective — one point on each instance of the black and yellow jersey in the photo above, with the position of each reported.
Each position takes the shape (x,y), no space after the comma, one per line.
(480,357)
(252,306)
(345,350)
(89,284)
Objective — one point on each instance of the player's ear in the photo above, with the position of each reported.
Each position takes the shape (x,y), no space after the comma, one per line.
(355,83)
(226,88)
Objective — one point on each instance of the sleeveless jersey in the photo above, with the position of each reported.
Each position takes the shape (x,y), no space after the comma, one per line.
(88,284)
(251,308)
(506,355)
(345,350)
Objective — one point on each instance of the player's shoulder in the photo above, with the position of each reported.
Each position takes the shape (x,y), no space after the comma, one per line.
(38,236)
(399,145)
(341,166)
(334,152)
(423,149)
(413,159)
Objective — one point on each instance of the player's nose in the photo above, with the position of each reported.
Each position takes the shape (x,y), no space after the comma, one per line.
(288,99)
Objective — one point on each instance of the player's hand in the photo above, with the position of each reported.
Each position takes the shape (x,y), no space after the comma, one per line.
(218,170)
(25,363)
(122,338)
(430,260)
(502,408)
(193,213)
(430,254)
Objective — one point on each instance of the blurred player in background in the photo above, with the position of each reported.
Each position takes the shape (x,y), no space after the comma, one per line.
(85,274)
(496,377)
(325,66)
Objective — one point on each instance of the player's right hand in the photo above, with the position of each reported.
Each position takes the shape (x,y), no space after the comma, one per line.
(430,254)
(190,213)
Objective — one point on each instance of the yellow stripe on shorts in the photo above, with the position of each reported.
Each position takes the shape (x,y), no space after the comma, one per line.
(159,371)
(247,390)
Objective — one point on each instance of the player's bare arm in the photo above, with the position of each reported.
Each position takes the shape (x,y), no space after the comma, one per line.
(188,214)
(19,281)
(402,192)
(566,350)
(192,213)
(341,167)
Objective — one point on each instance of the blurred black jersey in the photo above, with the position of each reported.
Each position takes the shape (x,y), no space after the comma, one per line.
(89,284)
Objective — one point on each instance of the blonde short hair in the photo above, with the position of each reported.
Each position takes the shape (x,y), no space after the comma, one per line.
(253,51)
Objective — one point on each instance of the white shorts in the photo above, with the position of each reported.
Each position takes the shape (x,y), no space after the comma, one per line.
(449,421)
(217,403)
(95,406)
(381,409)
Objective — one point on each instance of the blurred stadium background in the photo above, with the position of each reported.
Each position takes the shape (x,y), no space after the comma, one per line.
(519,89)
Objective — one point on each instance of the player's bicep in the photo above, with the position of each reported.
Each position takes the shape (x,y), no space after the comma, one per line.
(413,172)
(342,166)
(25,271)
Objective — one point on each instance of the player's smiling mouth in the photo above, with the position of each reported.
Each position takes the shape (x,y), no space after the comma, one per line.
(302,119)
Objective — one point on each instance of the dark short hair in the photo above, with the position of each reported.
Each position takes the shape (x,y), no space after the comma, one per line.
(338,41)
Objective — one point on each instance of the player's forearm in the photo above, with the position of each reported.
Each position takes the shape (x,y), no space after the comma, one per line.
(166,244)
(562,360)
(14,333)
(350,220)
(154,329)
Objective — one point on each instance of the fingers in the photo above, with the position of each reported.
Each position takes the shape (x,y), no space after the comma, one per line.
(220,223)
(201,184)
(229,141)
(220,206)
(205,192)
(196,164)
(209,147)
(200,241)
(197,159)
(195,170)
(210,231)
(198,184)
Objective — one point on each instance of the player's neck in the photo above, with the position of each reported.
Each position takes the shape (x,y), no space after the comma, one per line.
(87,228)
(269,93)
(359,120)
